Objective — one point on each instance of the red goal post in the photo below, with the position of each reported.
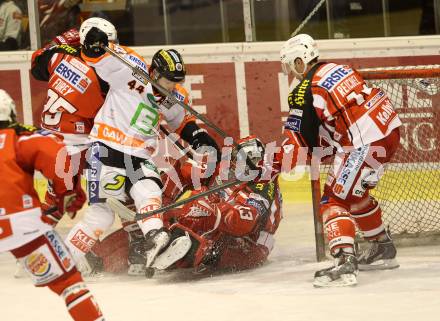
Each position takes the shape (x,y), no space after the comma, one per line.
(409,192)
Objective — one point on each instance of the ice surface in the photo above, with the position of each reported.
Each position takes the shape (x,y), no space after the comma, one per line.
(280,290)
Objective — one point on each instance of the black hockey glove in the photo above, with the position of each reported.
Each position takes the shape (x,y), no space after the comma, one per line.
(93,43)
(198,137)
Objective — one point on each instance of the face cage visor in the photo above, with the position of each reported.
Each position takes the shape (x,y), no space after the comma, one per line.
(287,69)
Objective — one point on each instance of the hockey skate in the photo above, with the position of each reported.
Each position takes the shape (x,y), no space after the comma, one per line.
(344,273)
(136,253)
(91,266)
(174,252)
(155,242)
(380,255)
(20,272)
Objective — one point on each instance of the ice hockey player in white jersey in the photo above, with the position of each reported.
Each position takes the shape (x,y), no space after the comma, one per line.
(124,139)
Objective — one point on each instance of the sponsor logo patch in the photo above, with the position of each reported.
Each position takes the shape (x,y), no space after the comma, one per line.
(259,198)
(254,203)
(60,250)
(293,124)
(334,77)
(297,97)
(373,101)
(27,201)
(178,95)
(296,112)
(168,59)
(82,241)
(37,264)
(80,127)
(73,76)
(349,171)
(93,174)
(138,62)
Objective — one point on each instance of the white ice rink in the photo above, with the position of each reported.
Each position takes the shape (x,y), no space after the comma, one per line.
(279,291)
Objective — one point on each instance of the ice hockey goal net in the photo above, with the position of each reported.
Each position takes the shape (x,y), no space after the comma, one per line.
(409,192)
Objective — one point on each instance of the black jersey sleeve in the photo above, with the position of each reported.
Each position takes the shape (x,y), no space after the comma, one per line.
(302,119)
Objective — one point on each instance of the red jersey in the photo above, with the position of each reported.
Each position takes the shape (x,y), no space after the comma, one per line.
(74,96)
(354,114)
(253,211)
(20,156)
(334,102)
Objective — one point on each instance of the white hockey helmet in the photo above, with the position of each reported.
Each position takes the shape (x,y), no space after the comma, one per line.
(101,24)
(7,107)
(301,46)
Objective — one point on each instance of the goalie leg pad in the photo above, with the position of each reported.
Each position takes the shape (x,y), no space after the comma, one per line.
(198,248)
(82,237)
(80,240)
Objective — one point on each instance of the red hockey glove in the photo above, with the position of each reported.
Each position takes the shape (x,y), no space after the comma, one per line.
(70,37)
(72,201)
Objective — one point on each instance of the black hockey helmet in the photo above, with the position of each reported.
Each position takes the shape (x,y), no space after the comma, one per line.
(169,64)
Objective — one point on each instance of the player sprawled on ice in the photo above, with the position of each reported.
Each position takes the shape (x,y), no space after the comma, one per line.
(74,95)
(23,231)
(229,230)
(333,103)
(124,139)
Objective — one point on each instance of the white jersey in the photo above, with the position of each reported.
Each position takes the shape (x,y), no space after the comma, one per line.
(129,118)
(10,21)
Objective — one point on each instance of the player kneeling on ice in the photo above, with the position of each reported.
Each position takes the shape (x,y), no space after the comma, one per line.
(23,230)
(125,137)
(229,230)
(333,104)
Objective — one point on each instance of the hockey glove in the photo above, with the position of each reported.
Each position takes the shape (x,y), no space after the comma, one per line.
(94,42)
(72,201)
(198,137)
(70,37)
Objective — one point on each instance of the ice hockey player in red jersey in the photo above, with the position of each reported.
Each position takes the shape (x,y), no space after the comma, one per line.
(229,230)
(124,140)
(332,105)
(75,94)
(23,230)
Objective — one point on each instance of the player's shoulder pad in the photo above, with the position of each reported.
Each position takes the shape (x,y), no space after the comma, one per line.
(23,130)
(180,92)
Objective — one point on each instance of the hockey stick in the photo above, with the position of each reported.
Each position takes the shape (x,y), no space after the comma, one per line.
(184,150)
(306,19)
(125,212)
